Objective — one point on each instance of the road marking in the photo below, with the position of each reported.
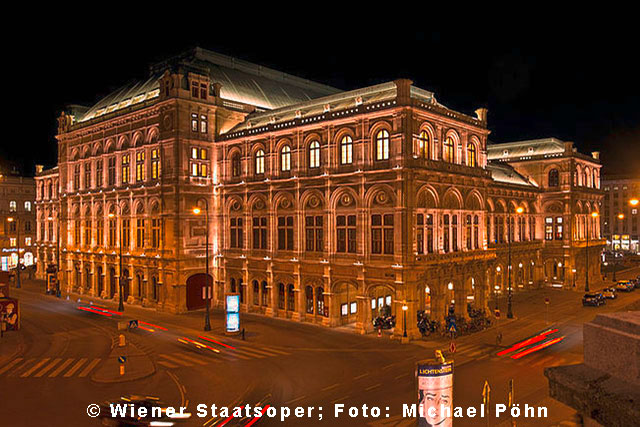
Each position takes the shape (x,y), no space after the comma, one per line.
(388,366)
(47,368)
(361,376)
(372,387)
(295,400)
(276,351)
(89,367)
(238,352)
(75,367)
(400,376)
(60,368)
(10,365)
(196,360)
(167,364)
(340,398)
(34,367)
(330,387)
(257,350)
(176,360)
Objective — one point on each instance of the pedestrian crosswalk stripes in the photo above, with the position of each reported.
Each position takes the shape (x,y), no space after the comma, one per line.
(60,368)
(253,353)
(48,367)
(181,359)
(167,364)
(273,350)
(192,359)
(75,367)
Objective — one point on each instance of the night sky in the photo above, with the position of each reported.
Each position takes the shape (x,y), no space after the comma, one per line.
(580,85)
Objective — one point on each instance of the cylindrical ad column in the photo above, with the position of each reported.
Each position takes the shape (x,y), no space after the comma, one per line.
(435,393)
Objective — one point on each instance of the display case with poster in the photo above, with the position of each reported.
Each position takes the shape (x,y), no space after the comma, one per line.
(435,393)
(232,313)
(4,284)
(10,313)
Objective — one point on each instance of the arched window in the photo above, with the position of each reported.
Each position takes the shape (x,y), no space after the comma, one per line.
(259,162)
(285,159)
(314,155)
(346,150)
(309,297)
(554,178)
(235,165)
(472,155)
(382,145)
(448,150)
(424,145)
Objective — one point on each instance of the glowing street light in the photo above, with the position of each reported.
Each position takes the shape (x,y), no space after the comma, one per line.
(634,202)
(196,210)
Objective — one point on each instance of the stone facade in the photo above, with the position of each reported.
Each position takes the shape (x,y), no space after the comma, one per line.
(328,209)
(17,198)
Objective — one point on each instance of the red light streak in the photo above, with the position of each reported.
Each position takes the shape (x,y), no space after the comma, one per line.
(94,311)
(527,342)
(146,329)
(151,324)
(107,310)
(226,421)
(536,348)
(217,342)
(257,418)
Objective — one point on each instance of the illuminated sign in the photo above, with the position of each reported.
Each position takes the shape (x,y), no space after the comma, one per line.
(435,394)
(233,312)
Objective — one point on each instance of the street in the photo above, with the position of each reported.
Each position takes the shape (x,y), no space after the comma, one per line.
(62,360)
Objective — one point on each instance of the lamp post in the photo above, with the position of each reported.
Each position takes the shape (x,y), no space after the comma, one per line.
(495,289)
(573,272)
(196,210)
(615,252)
(586,281)
(519,211)
(57,254)
(16,219)
(121,278)
(404,316)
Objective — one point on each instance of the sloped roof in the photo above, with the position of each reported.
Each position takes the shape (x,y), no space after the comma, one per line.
(241,82)
(524,149)
(502,172)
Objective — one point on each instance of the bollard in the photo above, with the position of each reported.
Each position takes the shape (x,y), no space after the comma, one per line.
(121,341)
(121,369)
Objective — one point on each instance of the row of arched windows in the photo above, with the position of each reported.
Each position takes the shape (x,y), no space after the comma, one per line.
(426,149)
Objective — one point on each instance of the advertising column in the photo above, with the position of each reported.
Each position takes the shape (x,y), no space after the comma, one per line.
(233,313)
(435,393)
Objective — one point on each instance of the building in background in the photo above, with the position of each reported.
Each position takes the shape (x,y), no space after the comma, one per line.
(620,218)
(18,221)
(324,206)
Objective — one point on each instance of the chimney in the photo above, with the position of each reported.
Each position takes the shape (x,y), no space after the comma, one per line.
(596,155)
(481,114)
(568,147)
(403,92)
(39,169)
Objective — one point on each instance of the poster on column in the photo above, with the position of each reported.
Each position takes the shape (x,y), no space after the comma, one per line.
(233,313)
(435,394)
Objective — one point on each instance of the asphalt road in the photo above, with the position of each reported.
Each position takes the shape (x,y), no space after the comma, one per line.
(281,363)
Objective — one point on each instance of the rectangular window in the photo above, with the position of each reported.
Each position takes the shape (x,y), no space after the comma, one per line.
(558,228)
(203,91)
(112,232)
(125,169)
(382,239)
(548,228)
(13,241)
(155,233)
(195,86)
(469,233)
(140,226)
(99,233)
(87,232)
(446,233)
(27,241)
(155,163)
(314,234)
(99,164)
(76,177)
(194,122)
(77,230)
(260,233)
(420,233)
(126,233)
(532,228)
(111,172)
(476,228)
(429,231)
(285,233)
(204,124)
(141,173)
(199,162)
(346,234)
(454,232)
(237,240)
(87,175)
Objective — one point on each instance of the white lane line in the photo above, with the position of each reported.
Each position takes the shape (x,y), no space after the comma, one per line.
(340,399)
(295,400)
(330,387)
(47,368)
(60,368)
(89,367)
(34,367)
(238,352)
(10,365)
(166,364)
(361,376)
(400,376)
(75,367)
(372,387)
(195,359)
(176,360)
(273,350)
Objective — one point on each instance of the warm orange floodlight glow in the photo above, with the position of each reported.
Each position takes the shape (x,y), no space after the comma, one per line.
(621,216)
(10,219)
(520,210)
(196,211)
(594,214)
(634,202)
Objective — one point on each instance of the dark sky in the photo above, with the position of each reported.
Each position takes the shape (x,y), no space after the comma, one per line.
(576,84)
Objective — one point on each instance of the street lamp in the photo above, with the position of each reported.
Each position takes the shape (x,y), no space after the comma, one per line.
(197,211)
(17,221)
(121,278)
(57,254)
(634,202)
(404,316)
(573,272)
(615,252)
(519,211)
(586,252)
(496,287)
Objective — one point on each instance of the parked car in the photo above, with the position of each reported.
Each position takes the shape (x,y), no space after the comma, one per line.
(609,293)
(624,286)
(593,299)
